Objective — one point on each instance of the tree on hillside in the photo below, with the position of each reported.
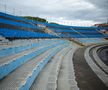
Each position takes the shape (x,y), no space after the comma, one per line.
(35,18)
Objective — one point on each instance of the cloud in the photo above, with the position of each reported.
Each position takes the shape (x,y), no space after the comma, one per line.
(92,11)
(103,4)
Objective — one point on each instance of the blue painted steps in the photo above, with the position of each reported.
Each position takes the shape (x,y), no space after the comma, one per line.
(23,77)
(7,66)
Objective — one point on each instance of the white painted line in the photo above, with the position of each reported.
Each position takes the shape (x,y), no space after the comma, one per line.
(99,61)
(94,67)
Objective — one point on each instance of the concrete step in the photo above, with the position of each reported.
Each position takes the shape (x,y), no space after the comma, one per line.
(58,74)
(13,50)
(16,43)
(66,78)
(9,64)
(47,79)
(24,42)
(23,77)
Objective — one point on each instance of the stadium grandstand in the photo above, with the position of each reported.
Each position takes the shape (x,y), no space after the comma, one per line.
(38,55)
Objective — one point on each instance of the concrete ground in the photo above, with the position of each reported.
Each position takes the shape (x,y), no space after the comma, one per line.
(103,54)
(85,77)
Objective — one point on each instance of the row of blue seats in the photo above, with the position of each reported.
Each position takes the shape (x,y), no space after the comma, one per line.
(48,24)
(20,33)
(26,34)
(14,50)
(23,34)
(68,35)
(79,33)
(56,26)
(72,31)
(26,20)
(20,24)
(15,18)
(23,20)
(104,28)
(87,31)
(53,25)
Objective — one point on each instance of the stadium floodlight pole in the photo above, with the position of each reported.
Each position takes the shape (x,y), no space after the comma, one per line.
(13,11)
(20,12)
(5,7)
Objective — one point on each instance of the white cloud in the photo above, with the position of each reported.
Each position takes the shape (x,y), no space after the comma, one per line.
(76,11)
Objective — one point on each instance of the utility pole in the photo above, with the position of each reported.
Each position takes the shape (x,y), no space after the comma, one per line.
(20,13)
(5,6)
(107,21)
(13,11)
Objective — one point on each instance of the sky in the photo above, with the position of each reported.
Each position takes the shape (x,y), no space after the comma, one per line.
(68,12)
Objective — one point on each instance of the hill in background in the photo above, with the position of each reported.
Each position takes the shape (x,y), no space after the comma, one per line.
(35,18)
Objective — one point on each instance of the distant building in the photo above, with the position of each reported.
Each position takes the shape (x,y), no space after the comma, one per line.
(101,25)
(103,28)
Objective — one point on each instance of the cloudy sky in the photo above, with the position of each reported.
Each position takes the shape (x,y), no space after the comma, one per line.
(70,12)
